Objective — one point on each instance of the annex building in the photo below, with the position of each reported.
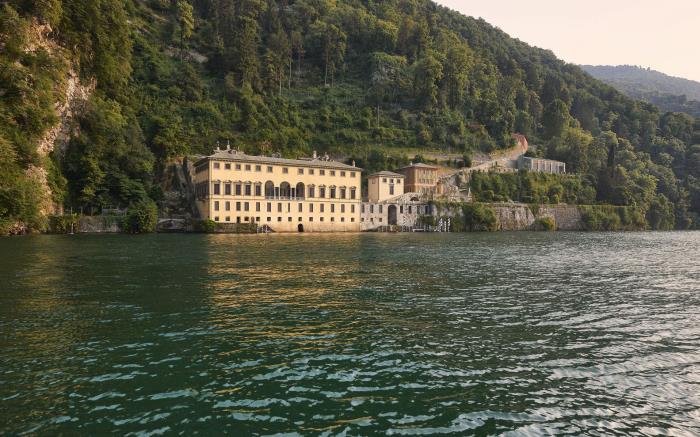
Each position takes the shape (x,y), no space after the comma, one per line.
(286,195)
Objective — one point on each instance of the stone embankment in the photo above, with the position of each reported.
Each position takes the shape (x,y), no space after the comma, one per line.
(522,217)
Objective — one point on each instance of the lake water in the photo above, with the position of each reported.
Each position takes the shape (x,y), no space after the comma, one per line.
(515,333)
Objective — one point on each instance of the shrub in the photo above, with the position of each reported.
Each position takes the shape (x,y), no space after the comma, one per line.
(63,224)
(546,223)
(141,218)
(477,216)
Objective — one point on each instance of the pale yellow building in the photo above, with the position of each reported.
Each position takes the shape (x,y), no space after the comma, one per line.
(286,195)
(384,185)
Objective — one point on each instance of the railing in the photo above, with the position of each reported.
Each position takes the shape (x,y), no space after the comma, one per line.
(284,198)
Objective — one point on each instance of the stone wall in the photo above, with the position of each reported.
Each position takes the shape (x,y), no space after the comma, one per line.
(99,224)
(521,217)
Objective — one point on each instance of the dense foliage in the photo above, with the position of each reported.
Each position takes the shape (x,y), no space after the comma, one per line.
(367,80)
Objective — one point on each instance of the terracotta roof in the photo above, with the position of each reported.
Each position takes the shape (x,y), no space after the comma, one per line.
(236,156)
(419,165)
(386,173)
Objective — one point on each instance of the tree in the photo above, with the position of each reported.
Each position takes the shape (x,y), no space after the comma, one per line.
(185,21)
(428,71)
(555,118)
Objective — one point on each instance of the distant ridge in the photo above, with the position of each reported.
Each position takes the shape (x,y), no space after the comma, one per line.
(669,93)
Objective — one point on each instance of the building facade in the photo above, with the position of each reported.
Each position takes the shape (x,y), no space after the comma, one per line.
(282,195)
(400,212)
(420,178)
(541,165)
(384,185)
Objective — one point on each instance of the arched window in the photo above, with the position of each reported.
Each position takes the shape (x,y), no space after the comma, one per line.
(300,191)
(285,189)
(269,189)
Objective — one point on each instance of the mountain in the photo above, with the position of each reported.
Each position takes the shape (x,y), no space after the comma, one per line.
(97,96)
(671,94)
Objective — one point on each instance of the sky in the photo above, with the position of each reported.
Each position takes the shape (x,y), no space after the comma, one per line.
(661,34)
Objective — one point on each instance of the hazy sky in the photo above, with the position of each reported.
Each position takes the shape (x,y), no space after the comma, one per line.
(661,34)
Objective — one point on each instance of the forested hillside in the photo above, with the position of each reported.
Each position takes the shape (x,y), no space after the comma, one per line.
(670,94)
(367,80)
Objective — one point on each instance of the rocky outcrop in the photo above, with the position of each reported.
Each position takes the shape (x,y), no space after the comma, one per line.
(73,94)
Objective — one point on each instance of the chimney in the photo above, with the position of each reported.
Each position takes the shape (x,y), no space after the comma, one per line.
(217,146)
(353,162)
(315,156)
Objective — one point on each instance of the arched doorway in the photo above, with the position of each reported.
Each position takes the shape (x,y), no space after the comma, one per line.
(393,219)
(300,228)
(300,192)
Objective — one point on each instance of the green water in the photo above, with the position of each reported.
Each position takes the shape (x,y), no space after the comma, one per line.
(528,333)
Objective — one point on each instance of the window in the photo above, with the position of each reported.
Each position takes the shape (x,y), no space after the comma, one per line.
(257,219)
(363,208)
(391,190)
(248,189)
(269,219)
(332,219)
(352,174)
(217,165)
(289,207)
(238,219)
(321,219)
(342,174)
(217,188)
(322,208)
(238,206)
(300,171)
(228,206)
(299,218)
(342,193)
(322,172)
(342,208)
(312,191)
(322,192)
(279,207)
(228,219)
(311,207)
(398,181)
(353,192)
(332,172)
(332,192)
(227,167)
(301,208)
(258,190)
(332,207)
(269,206)
(238,166)
(216,219)
(311,219)
(289,219)
(247,167)
(401,209)
(410,209)
(216,205)
(279,219)
(285,170)
(269,169)
(257,207)
(342,219)
(352,209)
(311,171)
(384,180)
(380,209)
(246,206)
(238,189)
(352,219)
(258,168)
(227,189)
(371,209)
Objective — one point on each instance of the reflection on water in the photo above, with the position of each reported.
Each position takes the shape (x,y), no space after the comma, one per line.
(324,334)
